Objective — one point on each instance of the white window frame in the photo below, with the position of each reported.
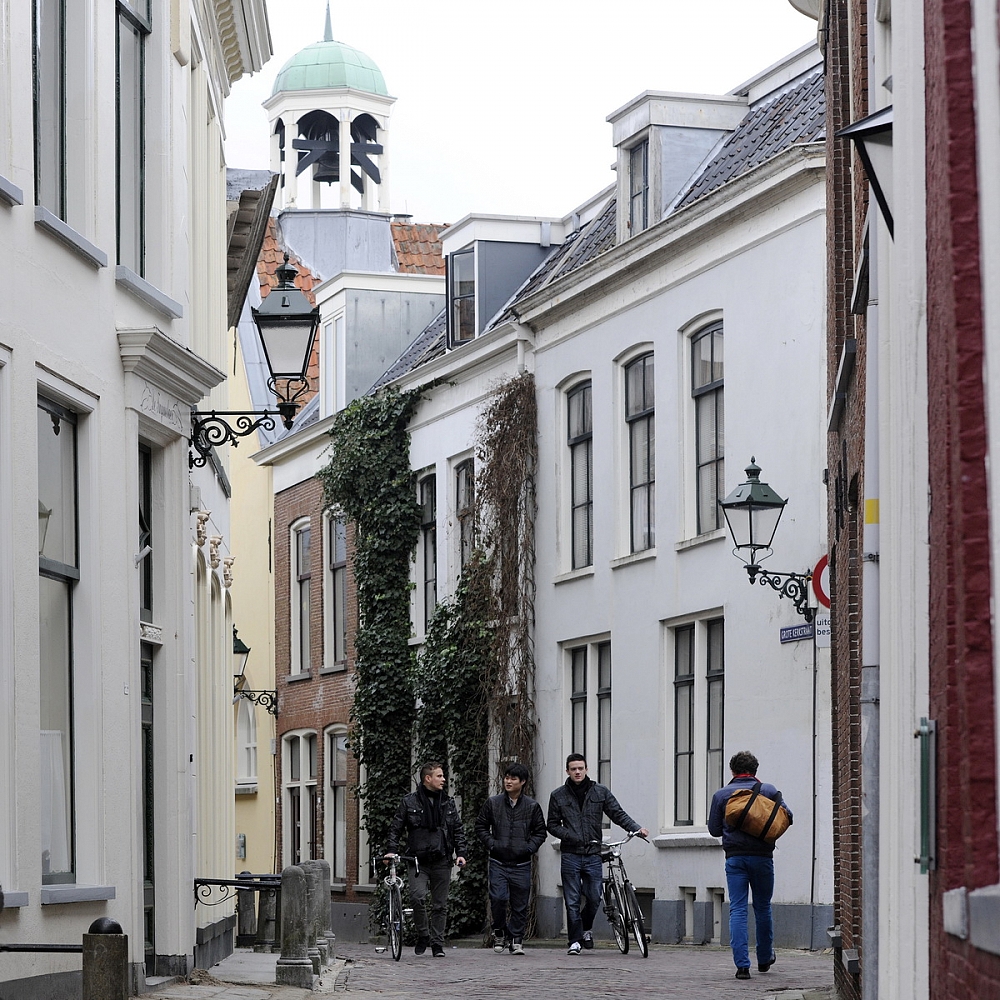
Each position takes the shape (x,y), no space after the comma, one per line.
(335,799)
(306,785)
(469,251)
(295,665)
(643,145)
(423,613)
(246,744)
(595,698)
(456,522)
(703,783)
(331,614)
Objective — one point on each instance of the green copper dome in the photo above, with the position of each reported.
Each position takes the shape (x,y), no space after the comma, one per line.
(328,65)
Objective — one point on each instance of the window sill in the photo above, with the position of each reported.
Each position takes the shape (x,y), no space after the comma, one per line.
(687,838)
(305,675)
(13,900)
(75,893)
(69,237)
(149,294)
(337,668)
(246,789)
(708,536)
(338,887)
(634,557)
(365,888)
(574,574)
(12,195)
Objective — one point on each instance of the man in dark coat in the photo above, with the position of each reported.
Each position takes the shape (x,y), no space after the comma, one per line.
(434,833)
(749,868)
(512,827)
(576,809)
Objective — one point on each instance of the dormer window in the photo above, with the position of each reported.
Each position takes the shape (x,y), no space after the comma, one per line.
(462,297)
(638,213)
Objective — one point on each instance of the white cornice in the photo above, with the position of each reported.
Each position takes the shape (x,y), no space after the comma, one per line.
(152,355)
(379,281)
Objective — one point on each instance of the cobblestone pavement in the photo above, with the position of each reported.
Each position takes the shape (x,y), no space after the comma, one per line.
(676,972)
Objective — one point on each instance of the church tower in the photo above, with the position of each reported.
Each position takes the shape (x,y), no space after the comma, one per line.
(329,120)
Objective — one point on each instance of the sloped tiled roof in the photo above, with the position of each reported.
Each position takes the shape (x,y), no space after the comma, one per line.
(428,344)
(272,254)
(796,116)
(418,247)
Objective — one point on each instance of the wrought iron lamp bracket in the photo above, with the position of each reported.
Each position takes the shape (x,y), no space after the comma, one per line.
(268,700)
(794,586)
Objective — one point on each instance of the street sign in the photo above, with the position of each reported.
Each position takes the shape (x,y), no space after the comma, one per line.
(821,582)
(796,633)
(823,629)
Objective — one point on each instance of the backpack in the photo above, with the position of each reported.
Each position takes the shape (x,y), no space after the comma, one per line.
(750,812)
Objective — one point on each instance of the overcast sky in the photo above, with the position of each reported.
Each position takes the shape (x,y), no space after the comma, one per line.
(501,106)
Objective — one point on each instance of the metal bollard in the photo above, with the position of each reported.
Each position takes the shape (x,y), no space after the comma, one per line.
(105,961)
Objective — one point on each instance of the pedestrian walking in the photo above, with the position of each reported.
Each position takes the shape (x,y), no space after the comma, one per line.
(576,809)
(512,828)
(749,866)
(434,833)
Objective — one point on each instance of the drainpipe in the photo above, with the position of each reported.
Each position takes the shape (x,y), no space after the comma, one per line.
(525,341)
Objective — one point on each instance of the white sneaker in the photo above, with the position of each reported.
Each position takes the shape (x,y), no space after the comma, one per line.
(574,948)
(517,948)
(499,945)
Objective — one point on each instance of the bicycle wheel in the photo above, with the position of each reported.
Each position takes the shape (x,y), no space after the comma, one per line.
(614,910)
(395,922)
(638,925)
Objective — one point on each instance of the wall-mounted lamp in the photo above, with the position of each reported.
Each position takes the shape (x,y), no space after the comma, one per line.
(872,137)
(266,699)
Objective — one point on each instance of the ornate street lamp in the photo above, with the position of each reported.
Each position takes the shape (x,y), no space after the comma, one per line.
(752,512)
(286,325)
(266,699)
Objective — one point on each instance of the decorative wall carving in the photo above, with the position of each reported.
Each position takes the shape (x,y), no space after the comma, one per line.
(227,571)
(202,528)
(213,550)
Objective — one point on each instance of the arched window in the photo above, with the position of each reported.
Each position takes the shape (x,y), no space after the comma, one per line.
(246,743)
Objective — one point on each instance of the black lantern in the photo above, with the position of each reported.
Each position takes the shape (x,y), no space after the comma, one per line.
(286,325)
(266,699)
(872,137)
(752,512)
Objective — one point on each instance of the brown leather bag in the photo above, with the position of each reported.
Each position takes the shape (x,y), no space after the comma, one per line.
(750,812)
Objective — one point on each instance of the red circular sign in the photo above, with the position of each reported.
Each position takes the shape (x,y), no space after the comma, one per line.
(821,581)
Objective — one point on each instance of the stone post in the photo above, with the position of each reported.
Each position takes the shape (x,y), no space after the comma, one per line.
(105,961)
(294,968)
(266,940)
(317,945)
(246,908)
(324,927)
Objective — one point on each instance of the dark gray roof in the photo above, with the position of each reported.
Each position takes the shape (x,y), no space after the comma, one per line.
(428,344)
(795,116)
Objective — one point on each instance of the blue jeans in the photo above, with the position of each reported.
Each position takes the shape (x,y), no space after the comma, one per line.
(510,883)
(581,876)
(745,874)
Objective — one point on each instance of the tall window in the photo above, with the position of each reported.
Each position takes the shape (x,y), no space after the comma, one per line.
(604,713)
(578,701)
(639,414)
(428,538)
(638,173)
(58,569)
(336,811)
(246,743)
(716,677)
(301,585)
(133,27)
(684,725)
(462,296)
(336,593)
(581,449)
(49,59)
(300,798)
(707,389)
(465,510)
(145,549)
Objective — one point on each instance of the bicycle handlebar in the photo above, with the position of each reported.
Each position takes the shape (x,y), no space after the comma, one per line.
(618,843)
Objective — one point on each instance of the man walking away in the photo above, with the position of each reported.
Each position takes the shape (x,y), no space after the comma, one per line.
(575,812)
(512,827)
(749,868)
(434,832)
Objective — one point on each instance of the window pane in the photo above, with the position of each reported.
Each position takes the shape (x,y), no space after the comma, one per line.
(579,671)
(294,768)
(641,528)
(302,552)
(639,431)
(463,274)
(716,645)
(604,666)
(635,386)
(311,755)
(304,651)
(684,694)
(717,370)
(338,548)
(340,615)
(579,727)
(684,651)
(340,833)
(56,487)
(50,106)
(683,809)
(708,509)
(56,726)
(705,413)
(130,146)
(339,769)
(580,412)
(582,536)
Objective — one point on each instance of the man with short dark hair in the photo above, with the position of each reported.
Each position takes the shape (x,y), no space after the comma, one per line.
(749,868)
(434,832)
(512,827)
(576,809)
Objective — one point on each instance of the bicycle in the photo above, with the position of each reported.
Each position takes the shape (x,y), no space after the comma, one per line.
(621,905)
(394,904)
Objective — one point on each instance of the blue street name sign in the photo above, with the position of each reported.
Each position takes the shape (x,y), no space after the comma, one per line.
(795,633)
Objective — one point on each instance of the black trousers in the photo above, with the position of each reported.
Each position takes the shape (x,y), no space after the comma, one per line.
(510,883)
(434,880)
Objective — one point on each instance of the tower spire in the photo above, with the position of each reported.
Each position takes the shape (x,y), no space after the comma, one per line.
(328,32)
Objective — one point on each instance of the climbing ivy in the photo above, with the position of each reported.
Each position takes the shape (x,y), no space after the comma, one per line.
(368,480)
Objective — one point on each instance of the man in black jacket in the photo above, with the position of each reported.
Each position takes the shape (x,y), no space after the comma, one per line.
(512,827)
(434,832)
(576,809)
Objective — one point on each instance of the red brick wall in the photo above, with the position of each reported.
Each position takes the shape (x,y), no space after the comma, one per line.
(323,698)
(961,638)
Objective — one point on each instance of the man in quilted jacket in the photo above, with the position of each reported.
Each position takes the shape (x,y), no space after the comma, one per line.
(749,867)
(576,809)
(512,828)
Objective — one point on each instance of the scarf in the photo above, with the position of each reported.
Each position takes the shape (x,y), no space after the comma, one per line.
(432,807)
(580,790)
